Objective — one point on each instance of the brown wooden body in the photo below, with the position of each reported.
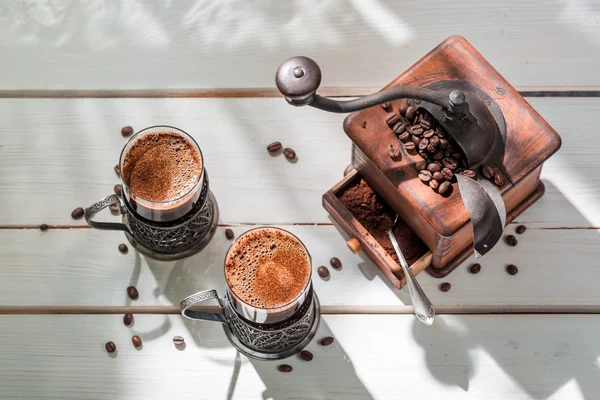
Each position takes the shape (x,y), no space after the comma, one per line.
(442,222)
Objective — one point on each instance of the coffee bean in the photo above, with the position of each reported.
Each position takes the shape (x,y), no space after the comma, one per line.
(428,133)
(43,227)
(433,167)
(335,263)
(447,173)
(443,143)
(386,106)
(420,165)
(425,176)
(326,341)
(290,154)
(123,248)
(409,146)
(511,240)
(274,147)
(449,163)
(117,170)
(136,340)
(403,107)
(110,347)
(404,137)
(178,340)
(128,319)
(416,140)
(521,229)
(118,190)
(498,179)
(434,184)
(434,141)
(399,128)
(133,293)
(77,213)
(444,287)
(285,368)
(363,124)
(438,176)
(391,119)
(410,113)
(323,272)
(431,148)
(451,148)
(348,169)
(438,155)
(487,171)
(424,143)
(512,269)
(306,355)
(456,156)
(425,124)
(469,173)
(113,208)
(229,234)
(393,150)
(126,131)
(444,187)
(475,268)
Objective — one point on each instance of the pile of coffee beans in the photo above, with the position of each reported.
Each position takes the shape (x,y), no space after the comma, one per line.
(419,132)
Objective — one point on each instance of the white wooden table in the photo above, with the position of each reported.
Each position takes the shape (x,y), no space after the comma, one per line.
(73,73)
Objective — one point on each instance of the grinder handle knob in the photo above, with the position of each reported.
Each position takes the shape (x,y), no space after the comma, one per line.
(298,78)
(354,245)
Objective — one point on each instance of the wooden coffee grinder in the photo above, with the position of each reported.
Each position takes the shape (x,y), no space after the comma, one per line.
(488,122)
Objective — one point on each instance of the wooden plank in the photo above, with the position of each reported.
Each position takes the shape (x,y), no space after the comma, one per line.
(56,155)
(373,357)
(83,267)
(188,44)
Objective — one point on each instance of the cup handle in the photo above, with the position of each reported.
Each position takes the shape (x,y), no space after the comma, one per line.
(198,298)
(100,205)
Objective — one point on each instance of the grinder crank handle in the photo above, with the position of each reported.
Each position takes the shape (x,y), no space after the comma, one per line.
(298,79)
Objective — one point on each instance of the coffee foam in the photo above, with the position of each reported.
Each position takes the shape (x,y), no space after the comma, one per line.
(267,268)
(161,167)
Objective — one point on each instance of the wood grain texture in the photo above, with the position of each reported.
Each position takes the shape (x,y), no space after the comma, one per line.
(56,155)
(151,44)
(475,357)
(83,267)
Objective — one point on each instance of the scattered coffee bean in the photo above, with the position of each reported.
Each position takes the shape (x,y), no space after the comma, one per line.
(326,341)
(450,163)
(433,167)
(469,173)
(113,208)
(335,263)
(447,173)
(306,355)
(475,268)
(444,287)
(178,340)
(409,146)
(429,133)
(444,187)
(498,179)
(363,124)
(431,148)
(274,147)
(410,113)
(393,150)
(323,272)
(416,140)
(438,155)
(77,213)
(425,124)
(434,184)
(391,119)
(118,190)
(110,347)
(386,106)
(404,137)
(512,269)
(136,340)
(420,165)
(424,143)
(133,293)
(285,368)
(511,240)
(403,107)
(487,171)
(43,227)
(229,234)
(425,176)
(123,248)
(126,131)
(399,128)
(348,169)
(438,176)
(128,319)
(417,130)
(290,154)
(434,141)
(521,229)
(117,171)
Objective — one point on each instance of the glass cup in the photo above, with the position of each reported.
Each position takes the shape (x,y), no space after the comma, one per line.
(274,331)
